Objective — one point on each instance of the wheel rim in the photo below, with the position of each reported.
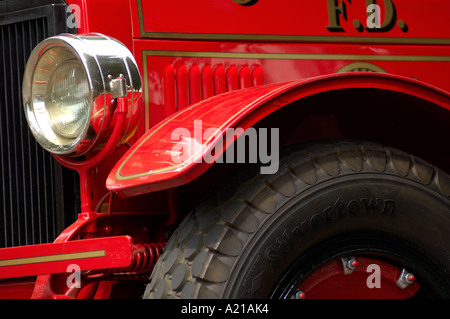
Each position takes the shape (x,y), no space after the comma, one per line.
(358,277)
(385,268)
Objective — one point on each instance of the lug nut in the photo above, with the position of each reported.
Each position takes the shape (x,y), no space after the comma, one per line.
(405,279)
(300,295)
(349,264)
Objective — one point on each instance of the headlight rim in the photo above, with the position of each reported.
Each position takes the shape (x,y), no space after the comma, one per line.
(98,72)
(64,42)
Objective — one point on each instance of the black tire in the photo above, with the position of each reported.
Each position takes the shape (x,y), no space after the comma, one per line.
(258,236)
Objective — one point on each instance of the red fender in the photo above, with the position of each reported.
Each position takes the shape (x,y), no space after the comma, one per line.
(152,163)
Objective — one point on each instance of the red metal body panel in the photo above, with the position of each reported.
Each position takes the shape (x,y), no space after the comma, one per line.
(150,165)
(261,49)
(271,19)
(271,63)
(104,16)
(294,45)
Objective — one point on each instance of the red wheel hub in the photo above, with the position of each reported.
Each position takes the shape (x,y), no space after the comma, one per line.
(358,278)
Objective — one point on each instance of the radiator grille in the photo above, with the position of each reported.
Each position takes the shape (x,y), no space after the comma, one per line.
(34,187)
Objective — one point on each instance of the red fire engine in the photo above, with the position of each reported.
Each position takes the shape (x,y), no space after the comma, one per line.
(225,149)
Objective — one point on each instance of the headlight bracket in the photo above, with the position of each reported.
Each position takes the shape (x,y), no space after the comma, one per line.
(85,168)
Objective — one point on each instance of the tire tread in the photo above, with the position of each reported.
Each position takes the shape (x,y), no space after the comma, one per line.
(200,255)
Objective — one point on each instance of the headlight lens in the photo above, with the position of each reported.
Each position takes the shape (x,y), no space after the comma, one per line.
(67,95)
(67,99)
(60,96)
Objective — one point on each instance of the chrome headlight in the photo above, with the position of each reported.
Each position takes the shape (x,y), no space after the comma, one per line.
(67,91)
